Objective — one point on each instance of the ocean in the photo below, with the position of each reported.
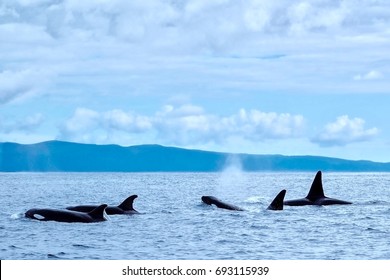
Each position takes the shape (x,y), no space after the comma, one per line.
(175,224)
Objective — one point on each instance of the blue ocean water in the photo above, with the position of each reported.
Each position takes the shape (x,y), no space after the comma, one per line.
(175,224)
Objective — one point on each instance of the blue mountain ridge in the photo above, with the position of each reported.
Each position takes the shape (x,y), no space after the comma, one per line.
(59,156)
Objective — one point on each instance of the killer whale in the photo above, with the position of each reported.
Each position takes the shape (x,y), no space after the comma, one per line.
(210,200)
(276,204)
(126,207)
(98,214)
(316,195)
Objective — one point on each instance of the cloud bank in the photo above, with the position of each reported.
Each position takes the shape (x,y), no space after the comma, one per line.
(21,83)
(345,131)
(184,125)
(27,124)
(143,20)
(74,43)
(371,75)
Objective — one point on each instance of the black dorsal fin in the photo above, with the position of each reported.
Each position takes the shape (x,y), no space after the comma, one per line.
(127,204)
(277,203)
(316,190)
(99,212)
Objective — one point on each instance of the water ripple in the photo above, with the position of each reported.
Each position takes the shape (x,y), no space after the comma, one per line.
(177,226)
(56,256)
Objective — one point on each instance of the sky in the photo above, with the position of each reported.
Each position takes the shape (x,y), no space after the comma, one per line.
(256,76)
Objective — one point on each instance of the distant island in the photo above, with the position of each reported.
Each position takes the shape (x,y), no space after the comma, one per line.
(59,156)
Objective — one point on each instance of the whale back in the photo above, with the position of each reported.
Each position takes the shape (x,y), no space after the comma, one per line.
(213,200)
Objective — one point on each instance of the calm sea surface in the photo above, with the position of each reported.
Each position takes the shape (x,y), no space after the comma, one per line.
(176,225)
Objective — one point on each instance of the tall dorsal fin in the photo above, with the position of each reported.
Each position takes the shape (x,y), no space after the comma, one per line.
(127,204)
(277,203)
(316,190)
(98,212)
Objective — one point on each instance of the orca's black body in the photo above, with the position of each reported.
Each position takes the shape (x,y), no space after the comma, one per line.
(126,207)
(210,200)
(96,215)
(316,195)
(276,204)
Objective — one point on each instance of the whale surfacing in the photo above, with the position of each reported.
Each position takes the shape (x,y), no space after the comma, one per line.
(316,195)
(276,204)
(126,207)
(212,200)
(98,214)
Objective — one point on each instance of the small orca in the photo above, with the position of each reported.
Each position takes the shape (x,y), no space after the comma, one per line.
(209,200)
(277,203)
(96,215)
(126,207)
(316,195)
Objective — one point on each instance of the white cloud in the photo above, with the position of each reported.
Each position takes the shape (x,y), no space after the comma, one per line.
(20,84)
(80,126)
(345,131)
(91,126)
(306,16)
(146,45)
(371,75)
(128,122)
(16,32)
(258,125)
(27,124)
(206,22)
(31,122)
(184,125)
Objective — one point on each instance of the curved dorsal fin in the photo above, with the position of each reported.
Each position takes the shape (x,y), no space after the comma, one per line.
(316,190)
(127,204)
(98,212)
(277,203)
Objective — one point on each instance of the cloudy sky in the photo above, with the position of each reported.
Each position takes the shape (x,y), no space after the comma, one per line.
(256,76)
